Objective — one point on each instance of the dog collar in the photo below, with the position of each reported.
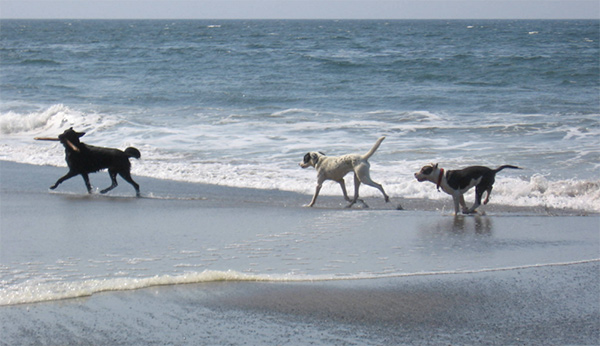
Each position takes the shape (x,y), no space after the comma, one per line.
(439,182)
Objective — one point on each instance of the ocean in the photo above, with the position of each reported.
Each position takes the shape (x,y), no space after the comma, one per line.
(238,103)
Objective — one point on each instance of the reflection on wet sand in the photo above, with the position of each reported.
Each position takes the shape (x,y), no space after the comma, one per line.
(460,224)
(480,224)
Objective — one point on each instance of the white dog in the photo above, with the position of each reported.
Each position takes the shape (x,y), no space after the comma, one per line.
(335,168)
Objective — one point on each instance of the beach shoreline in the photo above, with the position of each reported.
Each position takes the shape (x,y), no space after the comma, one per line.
(39,178)
(516,275)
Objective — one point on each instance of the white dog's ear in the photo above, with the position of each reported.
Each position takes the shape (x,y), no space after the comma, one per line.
(436,166)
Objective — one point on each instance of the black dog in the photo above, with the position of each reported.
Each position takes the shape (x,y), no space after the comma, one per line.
(457,182)
(83,159)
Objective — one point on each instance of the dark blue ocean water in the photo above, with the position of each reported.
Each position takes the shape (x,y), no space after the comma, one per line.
(461,67)
(242,101)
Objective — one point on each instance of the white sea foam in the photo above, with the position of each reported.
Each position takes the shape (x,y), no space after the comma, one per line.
(50,122)
(35,291)
(263,152)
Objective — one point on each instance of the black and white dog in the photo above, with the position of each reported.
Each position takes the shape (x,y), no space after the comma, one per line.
(83,159)
(336,167)
(457,182)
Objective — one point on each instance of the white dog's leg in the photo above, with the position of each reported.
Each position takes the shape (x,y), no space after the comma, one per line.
(364,176)
(343,185)
(356,188)
(367,180)
(356,199)
(314,199)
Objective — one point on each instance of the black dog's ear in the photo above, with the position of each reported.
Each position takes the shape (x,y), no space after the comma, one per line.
(306,158)
(80,134)
(315,158)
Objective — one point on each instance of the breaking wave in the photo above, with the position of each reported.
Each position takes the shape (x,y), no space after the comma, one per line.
(263,152)
(35,292)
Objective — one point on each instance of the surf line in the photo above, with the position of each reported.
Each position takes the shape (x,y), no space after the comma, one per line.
(70,290)
(485,270)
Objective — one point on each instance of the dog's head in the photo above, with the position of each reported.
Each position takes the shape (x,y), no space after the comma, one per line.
(428,172)
(311,159)
(70,139)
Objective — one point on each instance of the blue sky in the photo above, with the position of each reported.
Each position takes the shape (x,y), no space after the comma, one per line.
(302,9)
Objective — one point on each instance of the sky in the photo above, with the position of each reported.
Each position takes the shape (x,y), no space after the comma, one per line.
(300,9)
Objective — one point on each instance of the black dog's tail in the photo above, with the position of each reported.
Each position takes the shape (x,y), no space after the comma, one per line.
(133,152)
(505,166)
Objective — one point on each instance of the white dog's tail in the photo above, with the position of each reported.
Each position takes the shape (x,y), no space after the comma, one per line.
(374,149)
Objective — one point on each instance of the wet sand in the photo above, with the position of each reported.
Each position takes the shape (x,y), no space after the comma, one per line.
(536,306)
(549,293)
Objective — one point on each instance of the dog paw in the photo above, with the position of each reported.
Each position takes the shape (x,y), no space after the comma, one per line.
(350,205)
(359,202)
(53,187)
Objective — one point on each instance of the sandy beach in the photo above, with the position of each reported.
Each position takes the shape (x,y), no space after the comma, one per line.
(550,306)
(118,270)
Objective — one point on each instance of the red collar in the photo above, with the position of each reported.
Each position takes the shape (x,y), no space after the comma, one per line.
(439,182)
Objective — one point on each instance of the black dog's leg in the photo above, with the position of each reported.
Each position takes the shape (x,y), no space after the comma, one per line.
(86,179)
(69,175)
(487,198)
(479,190)
(113,177)
(127,176)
